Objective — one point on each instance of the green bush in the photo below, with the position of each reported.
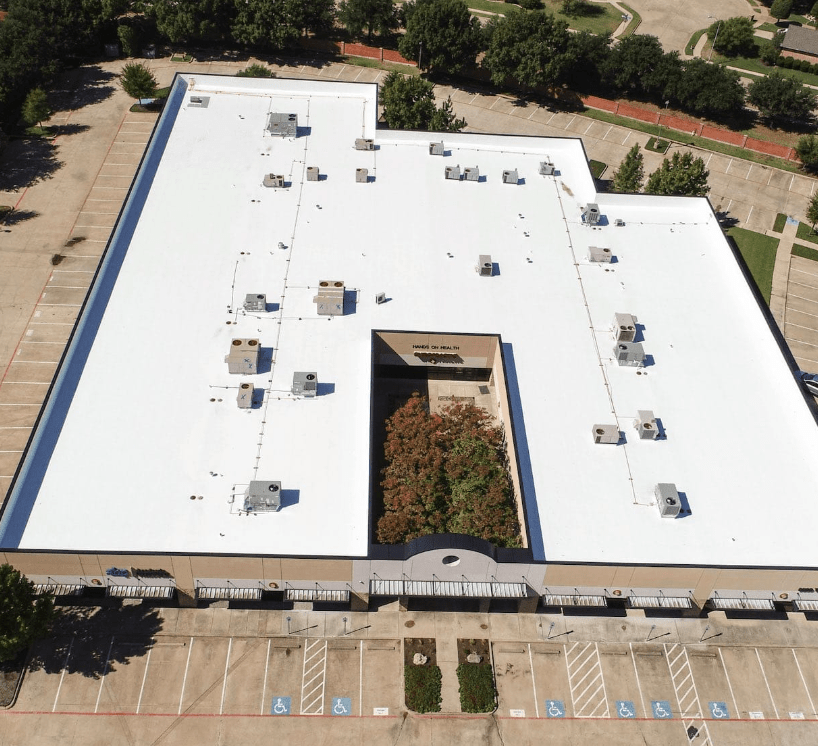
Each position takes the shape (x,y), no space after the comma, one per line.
(785,62)
(805,66)
(530,4)
(477,693)
(422,686)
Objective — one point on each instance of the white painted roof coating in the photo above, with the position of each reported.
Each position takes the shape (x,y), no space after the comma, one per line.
(142,433)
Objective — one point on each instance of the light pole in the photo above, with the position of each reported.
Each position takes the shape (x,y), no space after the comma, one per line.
(713,46)
(420,56)
(288,625)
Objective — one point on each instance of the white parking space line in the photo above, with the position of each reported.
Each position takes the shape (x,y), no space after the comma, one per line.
(626,137)
(729,685)
(638,683)
(589,127)
(226,668)
(749,213)
(361,681)
(62,675)
(533,682)
(264,686)
(144,679)
(571,122)
(104,673)
(804,682)
(727,170)
(184,679)
(767,683)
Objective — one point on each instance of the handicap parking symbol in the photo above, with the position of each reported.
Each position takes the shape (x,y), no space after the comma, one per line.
(555,708)
(280,706)
(719,710)
(341,705)
(661,709)
(625,709)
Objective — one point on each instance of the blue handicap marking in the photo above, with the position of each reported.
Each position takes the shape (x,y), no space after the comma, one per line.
(661,709)
(625,708)
(280,706)
(555,708)
(719,710)
(341,705)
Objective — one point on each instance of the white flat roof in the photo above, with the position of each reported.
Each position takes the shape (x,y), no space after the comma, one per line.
(122,449)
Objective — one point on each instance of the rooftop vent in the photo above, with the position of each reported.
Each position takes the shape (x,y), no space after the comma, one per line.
(243,356)
(245,396)
(624,327)
(362,143)
(591,213)
(510,177)
(313,174)
(380,298)
(273,180)
(305,384)
(472,173)
(630,354)
(645,424)
(282,125)
(361,175)
(667,498)
(484,267)
(605,434)
(436,148)
(596,254)
(330,298)
(262,497)
(619,223)
(255,302)
(198,102)
(453,173)
(546,168)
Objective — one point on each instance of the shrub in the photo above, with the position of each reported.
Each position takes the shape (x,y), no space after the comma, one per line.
(805,66)
(477,693)
(255,71)
(530,4)
(785,62)
(422,687)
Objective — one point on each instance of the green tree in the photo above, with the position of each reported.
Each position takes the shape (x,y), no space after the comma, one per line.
(278,24)
(709,90)
(129,38)
(255,71)
(373,15)
(409,104)
(137,81)
(24,617)
(633,58)
(769,52)
(576,8)
(629,176)
(35,107)
(589,52)
(812,211)
(807,150)
(662,80)
(814,14)
(192,20)
(532,48)
(680,176)
(733,36)
(441,35)
(781,9)
(779,98)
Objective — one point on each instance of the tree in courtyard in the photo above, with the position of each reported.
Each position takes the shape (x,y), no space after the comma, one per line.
(531,48)
(814,14)
(255,71)
(631,59)
(589,52)
(24,617)
(709,90)
(577,8)
(441,35)
(378,16)
(409,104)
(129,37)
(631,172)
(192,20)
(812,211)
(137,81)
(733,36)
(781,9)
(35,107)
(680,176)
(807,150)
(779,98)
(278,24)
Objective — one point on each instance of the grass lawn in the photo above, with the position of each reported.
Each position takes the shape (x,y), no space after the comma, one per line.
(597,168)
(805,233)
(805,251)
(606,19)
(694,40)
(757,67)
(656,145)
(38,132)
(636,19)
(758,251)
(780,222)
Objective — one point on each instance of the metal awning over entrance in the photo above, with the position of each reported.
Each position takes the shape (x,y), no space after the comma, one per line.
(446,588)
(316,594)
(660,602)
(756,604)
(141,591)
(805,604)
(58,589)
(217,593)
(572,599)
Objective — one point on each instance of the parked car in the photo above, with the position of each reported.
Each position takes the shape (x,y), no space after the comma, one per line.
(810,380)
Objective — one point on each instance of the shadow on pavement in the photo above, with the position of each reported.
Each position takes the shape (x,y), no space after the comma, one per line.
(25,162)
(81,87)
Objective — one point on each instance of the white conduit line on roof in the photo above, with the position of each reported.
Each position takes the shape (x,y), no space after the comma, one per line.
(593,336)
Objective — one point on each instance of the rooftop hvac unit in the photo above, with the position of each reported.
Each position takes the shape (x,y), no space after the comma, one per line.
(305,384)
(313,174)
(380,298)
(330,298)
(510,177)
(667,498)
(273,180)
(546,168)
(255,302)
(199,102)
(645,424)
(243,356)
(484,267)
(361,175)
(262,497)
(436,148)
(624,327)
(472,173)
(591,213)
(245,396)
(282,125)
(596,254)
(453,173)
(362,143)
(605,434)
(630,354)
(619,223)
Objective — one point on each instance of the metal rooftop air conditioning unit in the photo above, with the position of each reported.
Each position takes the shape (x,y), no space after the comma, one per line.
(510,177)
(453,173)
(619,223)
(624,327)
(667,498)
(275,181)
(262,497)
(630,354)
(363,143)
(546,168)
(485,267)
(305,384)
(471,173)
(361,175)
(282,125)
(313,173)
(596,254)
(245,396)
(380,298)
(645,424)
(198,102)
(436,148)
(255,302)
(330,298)
(591,214)
(605,434)
(243,356)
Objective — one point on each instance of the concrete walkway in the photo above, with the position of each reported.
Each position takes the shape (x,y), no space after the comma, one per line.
(778,298)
